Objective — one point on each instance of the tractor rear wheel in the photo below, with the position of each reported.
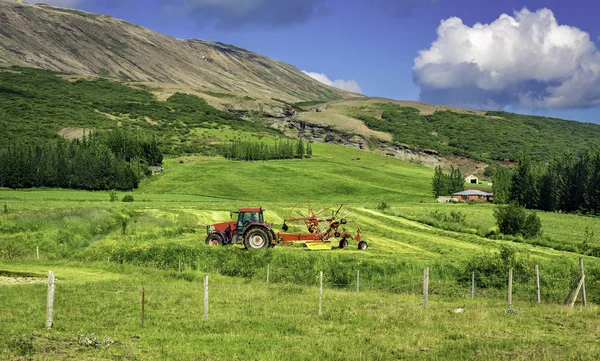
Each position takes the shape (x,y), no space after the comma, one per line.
(214,239)
(362,245)
(256,238)
(343,243)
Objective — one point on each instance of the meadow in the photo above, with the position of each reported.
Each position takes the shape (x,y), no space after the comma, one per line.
(103,252)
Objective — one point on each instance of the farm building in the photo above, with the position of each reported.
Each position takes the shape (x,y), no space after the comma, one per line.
(472,179)
(473,195)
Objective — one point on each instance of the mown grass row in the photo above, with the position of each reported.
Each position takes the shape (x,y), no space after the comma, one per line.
(172,237)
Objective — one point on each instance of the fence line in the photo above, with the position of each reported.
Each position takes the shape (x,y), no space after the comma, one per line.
(161,295)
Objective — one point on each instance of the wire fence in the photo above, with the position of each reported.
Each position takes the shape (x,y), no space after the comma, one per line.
(156,304)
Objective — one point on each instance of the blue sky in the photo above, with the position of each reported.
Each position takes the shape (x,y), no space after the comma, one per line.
(545,61)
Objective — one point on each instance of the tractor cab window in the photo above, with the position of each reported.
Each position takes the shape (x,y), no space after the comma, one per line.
(249,217)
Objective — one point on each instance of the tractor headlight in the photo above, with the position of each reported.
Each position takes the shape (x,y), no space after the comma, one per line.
(210,229)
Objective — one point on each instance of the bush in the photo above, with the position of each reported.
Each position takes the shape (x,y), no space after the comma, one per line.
(454,217)
(514,220)
(113,196)
(491,269)
(128,198)
(383,206)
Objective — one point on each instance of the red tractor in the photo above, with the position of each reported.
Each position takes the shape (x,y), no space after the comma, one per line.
(250,230)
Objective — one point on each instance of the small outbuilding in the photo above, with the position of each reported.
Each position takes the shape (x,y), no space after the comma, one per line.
(473,195)
(472,179)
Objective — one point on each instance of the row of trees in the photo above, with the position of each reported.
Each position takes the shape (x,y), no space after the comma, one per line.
(283,149)
(447,184)
(114,160)
(567,183)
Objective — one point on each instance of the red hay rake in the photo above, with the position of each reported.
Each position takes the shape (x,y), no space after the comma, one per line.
(318,229)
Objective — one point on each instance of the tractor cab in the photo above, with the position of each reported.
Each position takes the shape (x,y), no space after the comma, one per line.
(247,216)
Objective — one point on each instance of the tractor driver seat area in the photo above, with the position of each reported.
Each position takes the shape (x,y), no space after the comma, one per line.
(246,218)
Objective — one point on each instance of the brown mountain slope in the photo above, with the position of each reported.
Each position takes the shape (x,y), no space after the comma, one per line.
(87,44)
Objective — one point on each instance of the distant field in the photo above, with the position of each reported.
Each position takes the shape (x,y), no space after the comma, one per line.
(334,174)
(559,229)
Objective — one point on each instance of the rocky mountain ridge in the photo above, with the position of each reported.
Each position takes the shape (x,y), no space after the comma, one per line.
(87,44)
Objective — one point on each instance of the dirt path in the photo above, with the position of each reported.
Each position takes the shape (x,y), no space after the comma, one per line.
(6,280)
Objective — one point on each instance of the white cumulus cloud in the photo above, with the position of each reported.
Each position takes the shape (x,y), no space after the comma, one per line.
(526,60)
(349,85)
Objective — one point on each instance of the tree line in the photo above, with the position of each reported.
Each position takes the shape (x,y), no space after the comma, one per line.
(251,150)
(447,184)
(569,182)
(99,161)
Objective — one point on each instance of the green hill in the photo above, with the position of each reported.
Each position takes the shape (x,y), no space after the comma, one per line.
(334,174)
(38,105)
(478,135)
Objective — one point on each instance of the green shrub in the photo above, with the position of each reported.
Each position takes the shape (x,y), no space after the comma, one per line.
(491,269)
(113,196)
(383,206)
(514,220)
(128,198)
(457,217)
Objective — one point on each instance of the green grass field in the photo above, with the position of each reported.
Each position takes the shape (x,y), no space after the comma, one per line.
(252,320)
(103,253)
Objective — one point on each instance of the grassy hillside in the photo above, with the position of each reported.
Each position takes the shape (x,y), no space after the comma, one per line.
(474,134)
(333,174)
(38,105)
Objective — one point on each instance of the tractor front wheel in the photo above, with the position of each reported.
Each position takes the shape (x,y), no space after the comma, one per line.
(362,245)
(214,239)
(256,238)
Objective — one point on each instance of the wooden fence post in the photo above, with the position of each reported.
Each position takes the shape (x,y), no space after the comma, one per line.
(573,287)
(179,264)
(579,286)
(206,298)
(320,293)
(473,285)
(510,283)
(143,305)
(268,271)
(583,297)
(37,252)
(538,298)
(50,301)
(425,286)
(357,281)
